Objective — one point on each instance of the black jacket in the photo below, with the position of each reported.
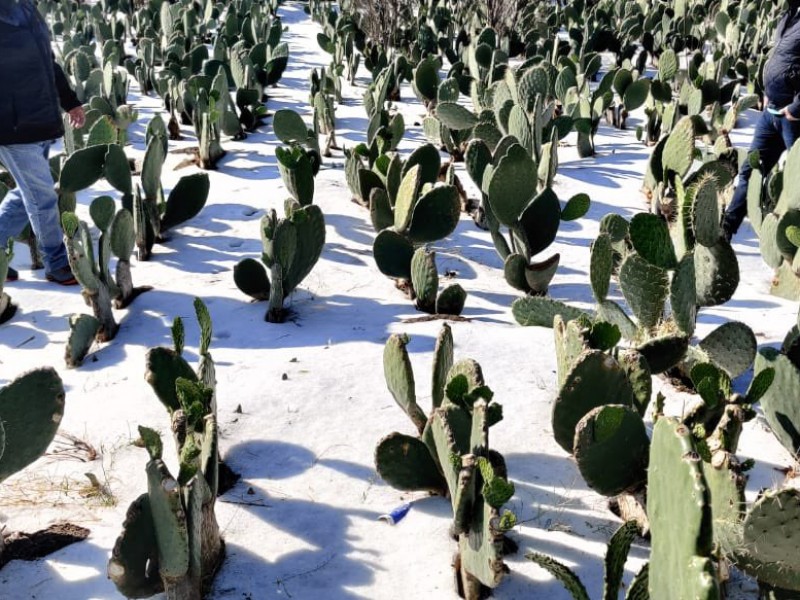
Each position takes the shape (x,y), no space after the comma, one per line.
(782,71)
(34,88)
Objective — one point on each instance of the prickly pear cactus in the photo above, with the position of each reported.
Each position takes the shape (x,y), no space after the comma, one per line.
(680,559)
(767,550)
(292,246)
(31,409)
(450,457)
(170,540)
(92,267)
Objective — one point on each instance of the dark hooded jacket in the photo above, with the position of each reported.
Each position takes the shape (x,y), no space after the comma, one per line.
(782,72)
(34,87)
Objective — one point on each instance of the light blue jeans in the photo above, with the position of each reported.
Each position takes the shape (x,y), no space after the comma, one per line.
(34,199)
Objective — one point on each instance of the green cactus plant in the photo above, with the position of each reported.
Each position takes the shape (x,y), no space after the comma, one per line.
(292,246)
(170,540)
(409,212)
(451,457)
(154,215)
(100,287)
(532,214)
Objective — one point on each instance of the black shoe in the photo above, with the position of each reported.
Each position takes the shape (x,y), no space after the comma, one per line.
(62,276)
(12,274)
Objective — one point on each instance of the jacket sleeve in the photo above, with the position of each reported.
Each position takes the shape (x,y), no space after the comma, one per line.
(66,95)
(794,107)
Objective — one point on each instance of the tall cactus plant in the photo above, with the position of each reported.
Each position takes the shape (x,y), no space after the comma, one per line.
(170,540)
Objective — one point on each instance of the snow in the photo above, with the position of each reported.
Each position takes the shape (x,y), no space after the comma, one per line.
(303,521)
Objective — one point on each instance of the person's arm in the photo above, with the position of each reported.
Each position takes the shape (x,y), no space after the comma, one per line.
(66,94)
(67,97)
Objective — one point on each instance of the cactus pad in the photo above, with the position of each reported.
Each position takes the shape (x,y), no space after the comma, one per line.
(83,329)
(663,353)
(780,400)
(512,185)
(596,379)
(611,448)
(537,311)
(435,215)
(601,266)
(769,546)
(163,367)
(683,295)
(400,379)
(539,221)
(732,347)
(716,273)
(645,287)
(650,238)
(134,561)
(393,254)
(31,409)
(680,566)
(186,200)
(405,463)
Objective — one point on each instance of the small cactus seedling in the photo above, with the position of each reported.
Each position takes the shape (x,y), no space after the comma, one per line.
(616,554)
(450,456)
(7,308)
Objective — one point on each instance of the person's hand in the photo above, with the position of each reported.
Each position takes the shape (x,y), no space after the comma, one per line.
(77,117)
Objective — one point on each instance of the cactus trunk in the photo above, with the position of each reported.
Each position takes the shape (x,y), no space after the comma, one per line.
(100,301)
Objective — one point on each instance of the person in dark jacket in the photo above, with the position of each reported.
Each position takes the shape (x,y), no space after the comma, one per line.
(31,99)
(779,125)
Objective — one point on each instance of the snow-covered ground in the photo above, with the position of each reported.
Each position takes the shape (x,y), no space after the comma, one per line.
(303,404)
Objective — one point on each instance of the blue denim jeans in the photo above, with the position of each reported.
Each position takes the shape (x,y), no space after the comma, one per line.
(34,199)
(773,135)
